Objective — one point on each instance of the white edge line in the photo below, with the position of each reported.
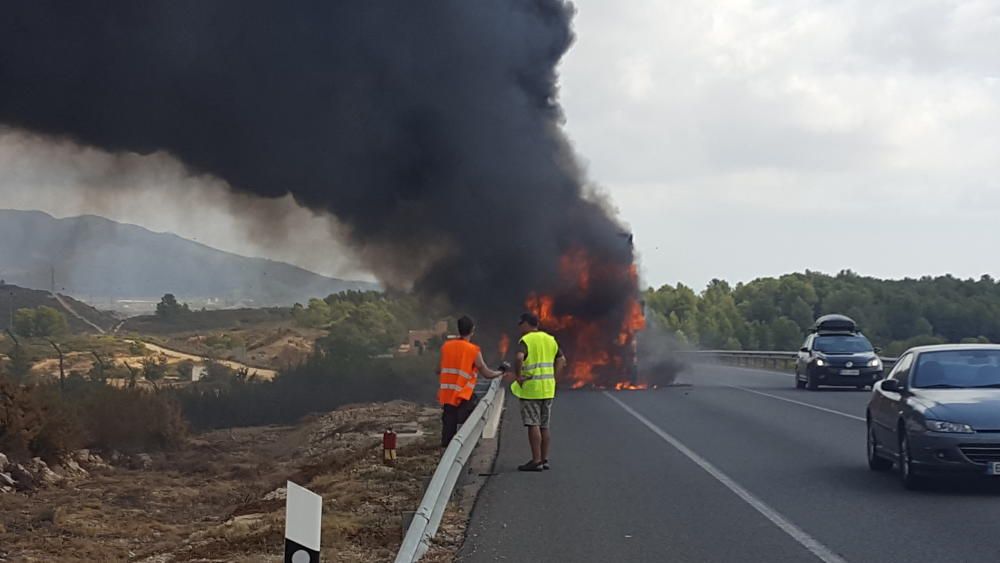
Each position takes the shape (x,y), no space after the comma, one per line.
(822,552)
(794,402)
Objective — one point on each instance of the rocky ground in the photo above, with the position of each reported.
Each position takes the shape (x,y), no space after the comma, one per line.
(221,498)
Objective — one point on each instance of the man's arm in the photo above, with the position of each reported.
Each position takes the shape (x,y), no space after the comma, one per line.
(518,364)
(485,369)
(560,363)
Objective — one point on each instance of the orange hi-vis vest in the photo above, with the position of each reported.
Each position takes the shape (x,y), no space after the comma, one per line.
(458,371)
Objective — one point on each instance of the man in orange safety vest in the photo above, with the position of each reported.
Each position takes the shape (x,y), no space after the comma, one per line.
(461,362)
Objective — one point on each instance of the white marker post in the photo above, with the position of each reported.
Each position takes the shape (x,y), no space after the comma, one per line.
(303,522)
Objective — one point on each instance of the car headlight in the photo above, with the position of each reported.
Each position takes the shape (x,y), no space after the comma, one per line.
(874,363)
(820,362)
(951,427)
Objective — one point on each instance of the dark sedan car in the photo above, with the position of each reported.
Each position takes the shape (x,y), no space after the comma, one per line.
(938,411)
(837,359)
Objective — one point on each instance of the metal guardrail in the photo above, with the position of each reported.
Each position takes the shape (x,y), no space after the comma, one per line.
(428,516)
(758,358)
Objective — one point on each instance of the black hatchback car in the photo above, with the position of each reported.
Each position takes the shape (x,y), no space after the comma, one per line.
(836,354)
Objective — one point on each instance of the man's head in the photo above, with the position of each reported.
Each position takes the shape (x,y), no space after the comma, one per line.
(528,323)
(466,327)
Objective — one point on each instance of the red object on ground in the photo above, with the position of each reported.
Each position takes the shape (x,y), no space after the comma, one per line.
(389,440)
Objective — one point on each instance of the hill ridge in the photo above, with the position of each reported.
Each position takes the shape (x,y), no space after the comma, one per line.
(95,258)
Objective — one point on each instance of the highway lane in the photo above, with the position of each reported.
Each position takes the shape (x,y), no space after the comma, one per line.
(737,466)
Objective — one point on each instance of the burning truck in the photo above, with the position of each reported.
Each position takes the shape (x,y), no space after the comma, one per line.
(600,342)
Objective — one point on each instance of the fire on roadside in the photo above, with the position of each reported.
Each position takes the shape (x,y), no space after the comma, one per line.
(503,346)
(600,345)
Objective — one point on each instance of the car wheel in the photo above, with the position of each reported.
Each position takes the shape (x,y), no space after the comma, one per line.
(811,382)
(907,475)
(875,462)
(799,384)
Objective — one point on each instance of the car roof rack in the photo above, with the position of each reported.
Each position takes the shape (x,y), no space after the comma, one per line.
(834,324)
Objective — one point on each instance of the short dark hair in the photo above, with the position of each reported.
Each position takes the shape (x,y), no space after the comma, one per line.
(529,318)
(465,325)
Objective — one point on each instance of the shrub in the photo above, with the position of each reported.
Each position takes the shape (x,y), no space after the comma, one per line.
(60,431)
(20,420)
(36,421)
(41,420)
(132,420)
(321,384)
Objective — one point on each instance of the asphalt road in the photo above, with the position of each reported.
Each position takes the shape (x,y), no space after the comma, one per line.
(738,466)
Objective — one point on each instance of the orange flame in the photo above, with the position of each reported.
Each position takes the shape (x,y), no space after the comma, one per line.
(504,345)
(595,351)
(625,386)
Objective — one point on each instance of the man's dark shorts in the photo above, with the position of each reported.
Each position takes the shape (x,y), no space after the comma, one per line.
(536,412)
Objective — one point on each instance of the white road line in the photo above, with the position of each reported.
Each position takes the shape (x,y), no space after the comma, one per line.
(794,402)
(822,552)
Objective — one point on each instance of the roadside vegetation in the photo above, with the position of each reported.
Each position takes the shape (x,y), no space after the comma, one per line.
(195,469)
(775,313)
(113,382)
(352,362)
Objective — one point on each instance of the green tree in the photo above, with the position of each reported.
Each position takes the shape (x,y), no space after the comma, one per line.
(786,334)
(894,314)
(49,322)
(43,322)
(154,369)
(316,315)
(168,308)
(19,365)
(24,322)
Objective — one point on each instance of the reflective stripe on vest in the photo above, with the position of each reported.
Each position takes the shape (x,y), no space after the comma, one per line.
(539,367)
(457,371)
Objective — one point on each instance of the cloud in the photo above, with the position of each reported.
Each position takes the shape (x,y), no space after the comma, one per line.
(795,112)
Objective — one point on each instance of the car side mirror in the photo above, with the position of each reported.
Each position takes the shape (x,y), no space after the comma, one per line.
(804,349)
(890,385)
(878,350)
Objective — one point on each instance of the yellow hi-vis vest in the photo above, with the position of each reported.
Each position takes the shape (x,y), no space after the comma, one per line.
(539,368)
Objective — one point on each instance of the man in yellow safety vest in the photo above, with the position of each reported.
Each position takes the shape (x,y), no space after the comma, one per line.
(539,360)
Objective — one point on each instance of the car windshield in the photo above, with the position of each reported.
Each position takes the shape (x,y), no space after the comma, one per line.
(959,369)
(842,344)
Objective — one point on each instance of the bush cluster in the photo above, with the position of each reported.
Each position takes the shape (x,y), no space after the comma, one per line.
(46,421)
(321,384)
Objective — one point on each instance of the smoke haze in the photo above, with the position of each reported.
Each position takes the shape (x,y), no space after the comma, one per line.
(430,131)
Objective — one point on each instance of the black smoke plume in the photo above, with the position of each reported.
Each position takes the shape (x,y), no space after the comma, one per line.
(430,130)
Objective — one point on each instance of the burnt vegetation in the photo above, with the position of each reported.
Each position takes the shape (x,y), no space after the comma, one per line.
(41,420)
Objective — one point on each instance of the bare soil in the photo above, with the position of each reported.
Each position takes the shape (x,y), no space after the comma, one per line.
(221,497)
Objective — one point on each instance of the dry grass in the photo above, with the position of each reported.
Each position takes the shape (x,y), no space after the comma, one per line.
(207,502)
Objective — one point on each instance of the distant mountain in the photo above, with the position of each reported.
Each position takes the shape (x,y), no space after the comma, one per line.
(99,260)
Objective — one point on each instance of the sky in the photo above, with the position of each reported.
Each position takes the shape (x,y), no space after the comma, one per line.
(735,138)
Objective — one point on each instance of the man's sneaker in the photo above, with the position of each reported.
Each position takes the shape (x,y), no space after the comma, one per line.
(545,465)
(530,466)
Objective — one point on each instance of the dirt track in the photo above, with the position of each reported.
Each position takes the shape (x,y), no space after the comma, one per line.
(266,374)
